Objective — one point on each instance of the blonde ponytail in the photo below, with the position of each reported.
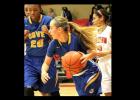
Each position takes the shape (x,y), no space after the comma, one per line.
(86,34)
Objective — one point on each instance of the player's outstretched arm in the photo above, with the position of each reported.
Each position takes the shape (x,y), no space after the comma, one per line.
(94,53)
(44,70)
(103,53)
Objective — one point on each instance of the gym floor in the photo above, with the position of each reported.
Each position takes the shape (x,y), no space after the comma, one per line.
(66,89)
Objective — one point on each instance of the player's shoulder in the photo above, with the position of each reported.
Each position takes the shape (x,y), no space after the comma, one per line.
(108,30)
(25,19)
(74,35)
(54,43)
(48,18)
(108,27)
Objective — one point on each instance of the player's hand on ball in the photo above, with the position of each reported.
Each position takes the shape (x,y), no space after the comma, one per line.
(84,58)
(87,57)
(44,77)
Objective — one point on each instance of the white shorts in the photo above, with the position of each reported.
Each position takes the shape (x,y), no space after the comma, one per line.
(105,67)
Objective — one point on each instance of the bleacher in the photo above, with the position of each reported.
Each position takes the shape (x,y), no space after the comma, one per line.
(81,22)
(61,73)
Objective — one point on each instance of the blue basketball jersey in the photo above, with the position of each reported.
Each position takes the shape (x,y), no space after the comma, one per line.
(73,44)
(36,48)
(83,87)
(37,41)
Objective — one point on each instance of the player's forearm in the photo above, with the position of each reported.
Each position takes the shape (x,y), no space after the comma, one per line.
(46,64)
(94,53)
(103,53)
(45,67)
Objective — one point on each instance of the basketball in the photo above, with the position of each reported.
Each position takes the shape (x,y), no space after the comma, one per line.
(71,62)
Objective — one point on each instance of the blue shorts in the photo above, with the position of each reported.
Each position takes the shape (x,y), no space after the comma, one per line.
(88,82)
(32,75)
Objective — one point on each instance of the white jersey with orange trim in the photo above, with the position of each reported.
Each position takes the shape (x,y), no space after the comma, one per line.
(104,44)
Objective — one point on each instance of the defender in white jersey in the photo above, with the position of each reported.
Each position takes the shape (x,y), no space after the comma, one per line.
(104,46)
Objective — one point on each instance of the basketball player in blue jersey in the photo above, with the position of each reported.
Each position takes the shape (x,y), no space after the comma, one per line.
(88,82)
(37,42)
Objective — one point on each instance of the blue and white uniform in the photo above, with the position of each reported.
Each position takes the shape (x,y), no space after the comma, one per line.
(85,85)
(36,48)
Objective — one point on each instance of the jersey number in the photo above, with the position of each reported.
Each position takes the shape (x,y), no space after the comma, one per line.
(37,43)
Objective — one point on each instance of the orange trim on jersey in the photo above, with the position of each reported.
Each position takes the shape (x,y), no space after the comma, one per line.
(30,21)
(92,80)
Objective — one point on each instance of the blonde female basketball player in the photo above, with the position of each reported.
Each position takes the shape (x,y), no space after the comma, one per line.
(65,41)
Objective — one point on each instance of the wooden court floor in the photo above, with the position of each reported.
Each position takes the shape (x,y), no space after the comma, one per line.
(66,89)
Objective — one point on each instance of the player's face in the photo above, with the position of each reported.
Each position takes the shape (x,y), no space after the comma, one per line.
(26,10)
(54,30)
(96,19)
(34,11)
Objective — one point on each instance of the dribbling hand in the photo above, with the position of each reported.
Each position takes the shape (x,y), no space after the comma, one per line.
(44,77)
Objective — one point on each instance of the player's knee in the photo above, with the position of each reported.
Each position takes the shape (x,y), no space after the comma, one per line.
(28,92)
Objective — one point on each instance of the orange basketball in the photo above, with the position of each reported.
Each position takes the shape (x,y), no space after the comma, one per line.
(71,62)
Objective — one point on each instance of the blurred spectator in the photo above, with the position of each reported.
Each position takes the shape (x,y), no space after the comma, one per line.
(99,6)
(109,11)
(51,13)
(42,12)
(66,13)
(91,16)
